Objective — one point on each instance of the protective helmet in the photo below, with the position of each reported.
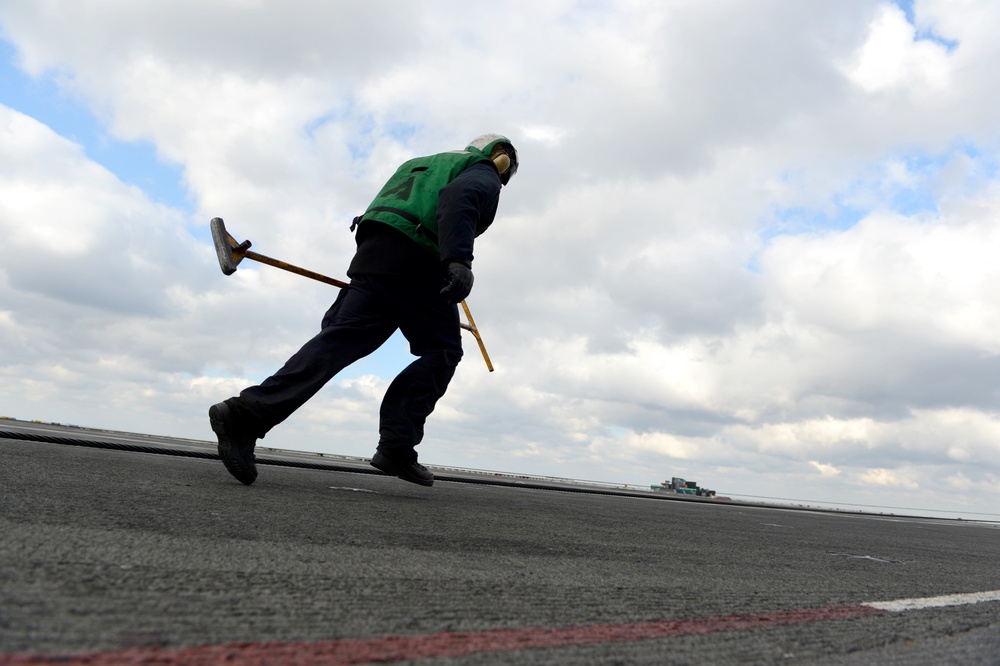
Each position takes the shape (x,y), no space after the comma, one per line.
(487,144)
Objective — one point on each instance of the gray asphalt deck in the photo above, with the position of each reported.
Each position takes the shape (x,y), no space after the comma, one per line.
(106,549)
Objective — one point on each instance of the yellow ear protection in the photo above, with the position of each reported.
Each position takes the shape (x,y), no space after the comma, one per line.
(500,159)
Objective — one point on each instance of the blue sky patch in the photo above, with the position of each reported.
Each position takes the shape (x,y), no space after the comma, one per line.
(133,162)
(922,33)
(402,132)
(908,184)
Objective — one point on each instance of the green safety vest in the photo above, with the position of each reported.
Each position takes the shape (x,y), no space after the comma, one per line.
(409,200)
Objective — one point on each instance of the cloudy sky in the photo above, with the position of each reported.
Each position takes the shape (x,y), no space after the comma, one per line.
(751,243)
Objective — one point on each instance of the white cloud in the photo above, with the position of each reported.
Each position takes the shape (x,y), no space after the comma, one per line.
(887,477)
(893,57)
(544,134)
(824,469)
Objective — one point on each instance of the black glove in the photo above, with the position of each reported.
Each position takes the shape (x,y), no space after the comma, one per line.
(457,282)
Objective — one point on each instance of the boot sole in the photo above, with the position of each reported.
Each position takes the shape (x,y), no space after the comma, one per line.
(386,465)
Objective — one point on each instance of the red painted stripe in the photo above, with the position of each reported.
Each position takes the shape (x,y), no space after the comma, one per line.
(448,644)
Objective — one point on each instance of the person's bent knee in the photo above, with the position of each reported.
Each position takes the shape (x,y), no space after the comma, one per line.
(446,358)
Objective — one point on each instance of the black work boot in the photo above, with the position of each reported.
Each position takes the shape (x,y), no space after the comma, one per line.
(407,470)
(236,444)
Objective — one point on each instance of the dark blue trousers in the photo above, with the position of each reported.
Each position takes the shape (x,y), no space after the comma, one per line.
(362,318)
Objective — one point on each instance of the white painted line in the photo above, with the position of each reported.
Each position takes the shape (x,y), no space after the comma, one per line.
(935,602)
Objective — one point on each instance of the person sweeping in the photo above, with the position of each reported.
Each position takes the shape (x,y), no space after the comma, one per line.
(412,266)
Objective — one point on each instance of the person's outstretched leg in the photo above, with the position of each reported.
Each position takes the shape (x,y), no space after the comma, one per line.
(355,325)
